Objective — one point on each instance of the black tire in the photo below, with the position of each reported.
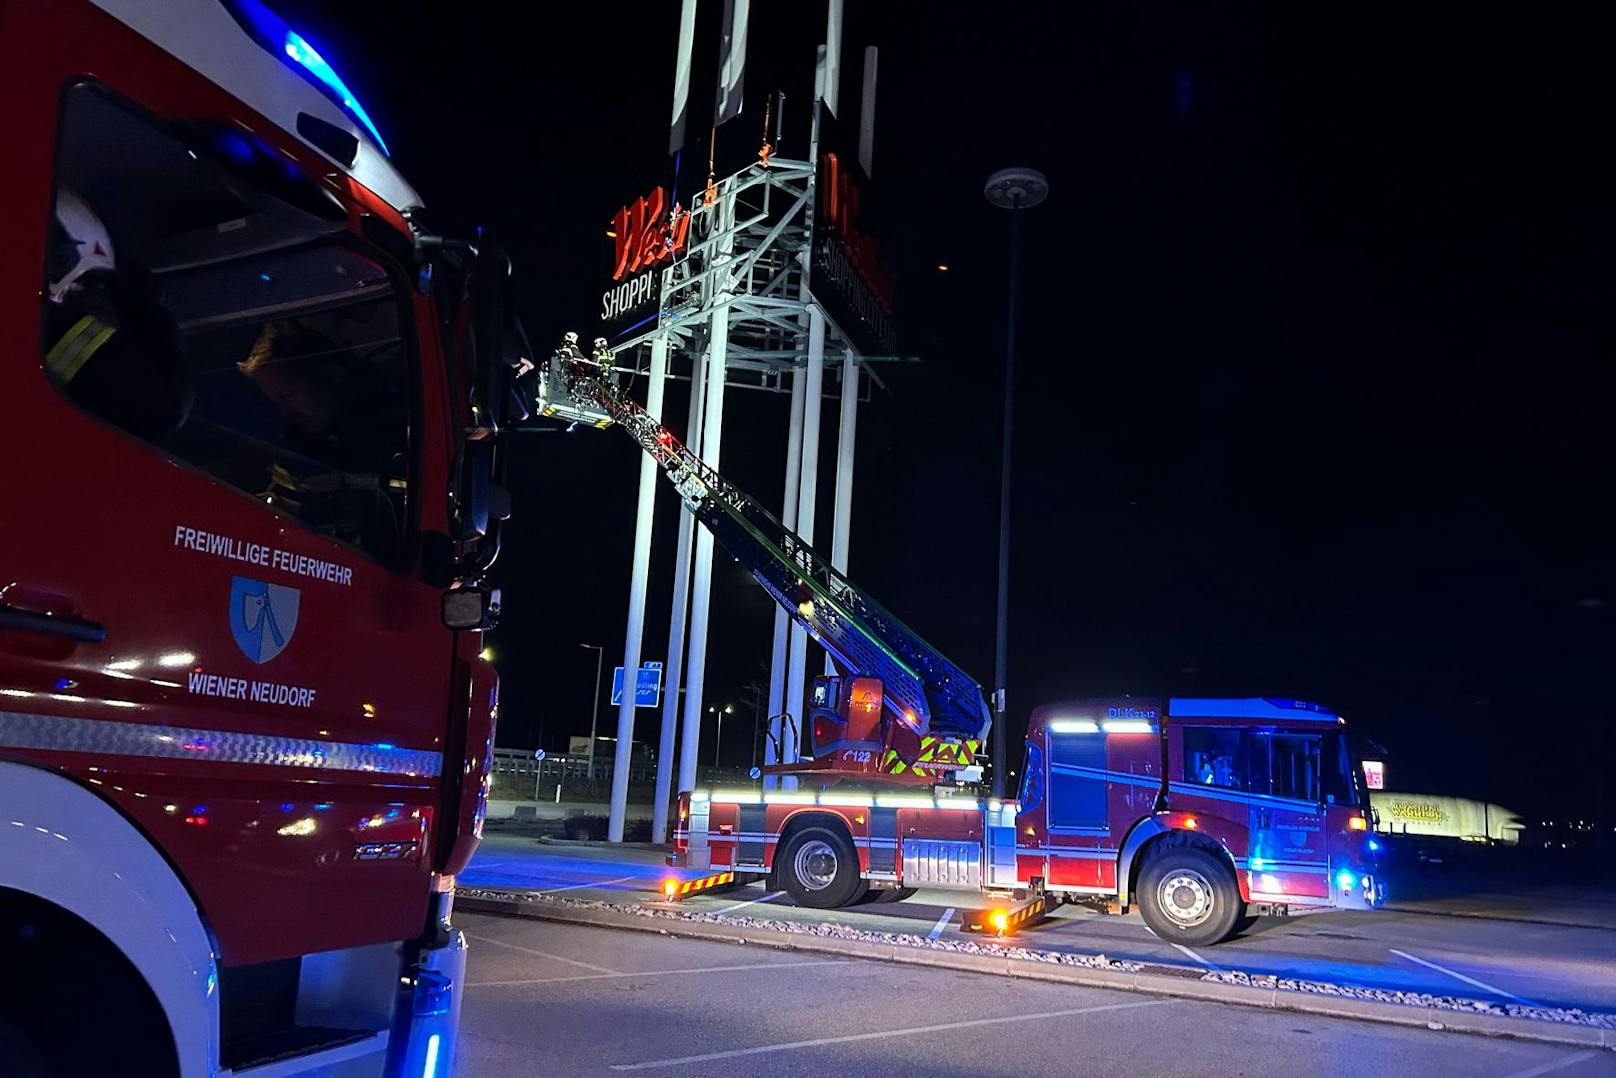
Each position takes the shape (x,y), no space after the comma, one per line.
(1187,895)
(21,1058)
(819,868)
(47,1001)
(879,896)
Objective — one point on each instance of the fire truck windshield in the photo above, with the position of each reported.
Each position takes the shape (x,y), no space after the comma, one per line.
(1341,776)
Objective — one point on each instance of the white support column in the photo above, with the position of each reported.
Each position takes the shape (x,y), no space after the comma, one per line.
(639,576)
(701,587)
(711,441)
(866,151)
(673,673)
(782,621)
(846,433)
(833,56)
(813,395)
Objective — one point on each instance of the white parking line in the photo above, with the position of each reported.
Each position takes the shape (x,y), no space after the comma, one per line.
(763,1049)
(583,886)
(942,923)
(653,973)
(751,901)
(1456,975)
(1196,958)
(540,954)
(1557,1065)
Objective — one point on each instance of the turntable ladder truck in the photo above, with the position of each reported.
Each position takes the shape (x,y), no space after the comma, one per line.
(1204,813)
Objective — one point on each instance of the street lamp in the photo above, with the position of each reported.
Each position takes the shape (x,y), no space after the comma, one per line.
(718,727)
(1013,189)
(594,717)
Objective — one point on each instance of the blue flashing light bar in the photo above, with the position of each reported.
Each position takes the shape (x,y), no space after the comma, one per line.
(304,53)
(272,29)
(1256,707)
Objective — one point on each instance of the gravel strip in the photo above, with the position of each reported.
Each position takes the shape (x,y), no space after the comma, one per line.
(824,930)
(1568,1015)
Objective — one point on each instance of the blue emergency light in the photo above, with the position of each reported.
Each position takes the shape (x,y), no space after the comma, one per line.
(273,31)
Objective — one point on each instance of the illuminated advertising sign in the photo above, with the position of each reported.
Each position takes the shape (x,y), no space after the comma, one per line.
(1374,773)
(850,278)
(646,235)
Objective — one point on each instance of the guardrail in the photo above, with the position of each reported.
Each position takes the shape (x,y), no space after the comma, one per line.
(574,766)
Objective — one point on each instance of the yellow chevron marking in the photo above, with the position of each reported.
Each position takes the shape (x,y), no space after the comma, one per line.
(677,889)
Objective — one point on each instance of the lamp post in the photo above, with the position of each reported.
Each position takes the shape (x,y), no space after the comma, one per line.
(718,727)
(1013,189)
(594,717)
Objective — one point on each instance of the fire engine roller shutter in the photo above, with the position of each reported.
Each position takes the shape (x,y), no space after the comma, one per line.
(750,836)
(884,840)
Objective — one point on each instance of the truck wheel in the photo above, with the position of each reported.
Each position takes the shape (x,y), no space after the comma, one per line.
(1186,895)
(878,896)
(819,868)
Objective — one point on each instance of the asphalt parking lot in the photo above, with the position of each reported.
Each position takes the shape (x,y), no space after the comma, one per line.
(548,999)
(1495,959)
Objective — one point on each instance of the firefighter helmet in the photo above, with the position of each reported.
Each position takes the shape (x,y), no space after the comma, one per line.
(86,244)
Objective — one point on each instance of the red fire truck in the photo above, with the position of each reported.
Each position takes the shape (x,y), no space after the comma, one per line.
(249,498)
(1203,813)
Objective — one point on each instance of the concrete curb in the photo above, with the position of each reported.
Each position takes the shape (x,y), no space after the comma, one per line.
(1162,984)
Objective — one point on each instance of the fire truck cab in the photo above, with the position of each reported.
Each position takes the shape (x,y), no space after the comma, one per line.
(1203,813)
(248,503)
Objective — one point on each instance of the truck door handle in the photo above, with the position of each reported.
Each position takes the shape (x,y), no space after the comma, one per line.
(17,620)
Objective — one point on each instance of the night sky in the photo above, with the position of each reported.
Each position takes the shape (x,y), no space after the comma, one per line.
(1312,397)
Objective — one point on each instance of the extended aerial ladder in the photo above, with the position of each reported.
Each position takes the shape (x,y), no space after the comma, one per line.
(932,716)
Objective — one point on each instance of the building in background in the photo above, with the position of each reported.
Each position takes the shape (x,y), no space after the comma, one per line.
(1441,816)
(605,747)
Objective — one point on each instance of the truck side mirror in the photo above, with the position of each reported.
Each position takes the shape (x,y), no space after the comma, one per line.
(470,608)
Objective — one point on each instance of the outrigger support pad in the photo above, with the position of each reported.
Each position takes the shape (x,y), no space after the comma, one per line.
(1004,919)
(674,890)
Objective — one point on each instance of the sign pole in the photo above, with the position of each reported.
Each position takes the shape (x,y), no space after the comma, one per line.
(711,438)
(673,675)
(639,577)
(807,493)
(841,525)
(782,623)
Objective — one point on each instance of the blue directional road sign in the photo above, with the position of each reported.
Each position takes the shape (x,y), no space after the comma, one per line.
(647,685)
